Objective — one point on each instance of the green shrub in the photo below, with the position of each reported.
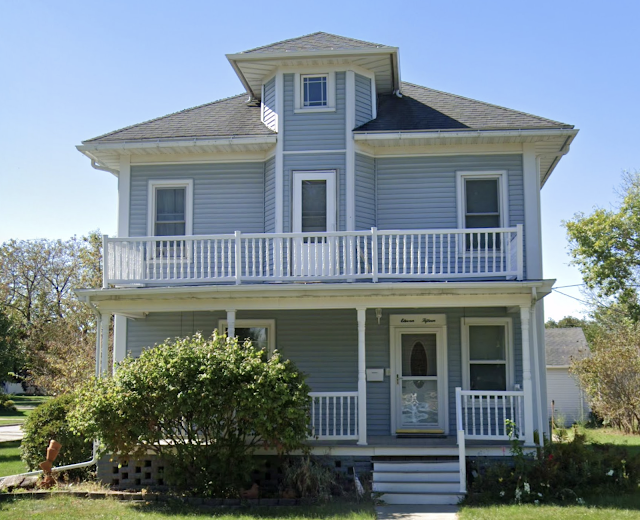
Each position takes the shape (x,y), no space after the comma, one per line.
(562,472)
(49,421)
(6,403)
(204,405)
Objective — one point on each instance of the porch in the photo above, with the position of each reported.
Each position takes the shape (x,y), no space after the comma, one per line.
(365,256)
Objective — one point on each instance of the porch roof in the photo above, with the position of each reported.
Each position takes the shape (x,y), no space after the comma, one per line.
(133,301)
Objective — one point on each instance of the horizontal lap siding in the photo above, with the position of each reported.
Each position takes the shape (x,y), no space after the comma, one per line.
(363,100)
(269,102)
(365,192)
(325,161)
(226,197)
(420,192)
(270,196)
(314,130)
(569,402)
(324,345)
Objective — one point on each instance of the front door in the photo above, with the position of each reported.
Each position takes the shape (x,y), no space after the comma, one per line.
(314,211)
(420,382)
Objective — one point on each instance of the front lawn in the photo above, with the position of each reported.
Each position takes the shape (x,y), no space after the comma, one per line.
(626,507)
(69,508)
(611,436)
(10,463)
(29,401)
(9,417)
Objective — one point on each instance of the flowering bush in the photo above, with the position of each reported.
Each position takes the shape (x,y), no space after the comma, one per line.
(562,472)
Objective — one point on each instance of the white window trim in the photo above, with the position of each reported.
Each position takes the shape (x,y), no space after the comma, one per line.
(299,107)
(318,175)
(270,325)
(188,207)
(509,354)
(503,193)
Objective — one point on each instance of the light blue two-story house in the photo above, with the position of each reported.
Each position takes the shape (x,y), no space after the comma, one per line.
(383,235)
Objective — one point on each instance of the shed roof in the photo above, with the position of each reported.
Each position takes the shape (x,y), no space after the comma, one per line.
(563,345)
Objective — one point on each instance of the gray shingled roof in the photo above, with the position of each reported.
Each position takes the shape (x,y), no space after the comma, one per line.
(423,108)
(318,41)
(561,345)
(226,117)
(420,108)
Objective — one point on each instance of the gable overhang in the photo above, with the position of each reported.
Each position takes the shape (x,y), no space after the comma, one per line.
(107,155)
(550,144)
(253,68)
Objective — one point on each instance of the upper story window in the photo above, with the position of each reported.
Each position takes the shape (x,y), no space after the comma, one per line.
(482,203)
(487,353)
(170,207)
(315,92)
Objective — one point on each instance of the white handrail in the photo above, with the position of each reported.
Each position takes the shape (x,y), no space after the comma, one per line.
(372,255)
(483,414)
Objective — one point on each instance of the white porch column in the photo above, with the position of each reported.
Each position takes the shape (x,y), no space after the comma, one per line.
(104,345)
(362,378)
(526,376)
(119,340)
(231,323)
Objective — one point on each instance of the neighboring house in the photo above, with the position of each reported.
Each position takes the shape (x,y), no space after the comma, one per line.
(383,235)
(563,346)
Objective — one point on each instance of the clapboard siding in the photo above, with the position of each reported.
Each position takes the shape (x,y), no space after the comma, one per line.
(365,192)
(420,192)
(226,197)
(363,100)
(569,400)
(270,196)
(269,104)
(324,345)
(306,162)
(314,130)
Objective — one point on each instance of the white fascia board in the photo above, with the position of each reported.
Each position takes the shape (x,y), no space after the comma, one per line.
(442,134)
(170,143)
(544,176)
(543,287)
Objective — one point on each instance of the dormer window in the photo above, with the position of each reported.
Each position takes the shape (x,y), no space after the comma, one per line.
(314,90)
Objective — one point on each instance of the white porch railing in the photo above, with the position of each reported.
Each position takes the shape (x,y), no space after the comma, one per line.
(334,415)
(344,255)
(483,415)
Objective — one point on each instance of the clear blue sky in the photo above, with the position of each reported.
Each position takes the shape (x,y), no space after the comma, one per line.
(71,70)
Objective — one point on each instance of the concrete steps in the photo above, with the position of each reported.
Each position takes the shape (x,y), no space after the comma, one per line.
(417,481)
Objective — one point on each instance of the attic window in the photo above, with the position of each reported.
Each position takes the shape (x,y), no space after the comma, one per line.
(314,91)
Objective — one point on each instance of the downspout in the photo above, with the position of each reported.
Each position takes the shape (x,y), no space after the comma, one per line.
(96,166)
(94,458)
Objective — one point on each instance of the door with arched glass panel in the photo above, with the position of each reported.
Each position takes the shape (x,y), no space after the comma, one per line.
(419,383)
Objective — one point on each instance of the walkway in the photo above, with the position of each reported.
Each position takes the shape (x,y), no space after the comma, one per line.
(11,433)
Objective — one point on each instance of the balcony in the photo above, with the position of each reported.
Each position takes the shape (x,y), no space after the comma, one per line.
(371,256)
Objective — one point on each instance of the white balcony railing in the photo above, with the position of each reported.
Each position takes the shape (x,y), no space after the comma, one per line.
(343,255)
(484,415)
(334,415)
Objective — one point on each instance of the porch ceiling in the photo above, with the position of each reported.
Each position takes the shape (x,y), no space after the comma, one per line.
(135,300)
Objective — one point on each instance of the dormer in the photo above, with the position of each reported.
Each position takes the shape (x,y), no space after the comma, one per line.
(315,60)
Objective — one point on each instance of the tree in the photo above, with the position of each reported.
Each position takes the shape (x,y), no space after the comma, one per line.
(11,355)
(56,330)
(606,247)
(204,405)
(611,376)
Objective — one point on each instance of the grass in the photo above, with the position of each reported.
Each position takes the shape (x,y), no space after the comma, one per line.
(611,436)
(10,462)
(8,417)
(25,404)
(30,400)
(69,508)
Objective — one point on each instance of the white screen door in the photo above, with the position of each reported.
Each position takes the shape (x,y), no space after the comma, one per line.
(419,382)
(314,214)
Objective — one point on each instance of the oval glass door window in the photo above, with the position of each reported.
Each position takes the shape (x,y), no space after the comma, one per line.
(419,362)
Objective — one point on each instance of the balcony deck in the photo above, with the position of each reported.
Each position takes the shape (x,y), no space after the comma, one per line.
(351,256)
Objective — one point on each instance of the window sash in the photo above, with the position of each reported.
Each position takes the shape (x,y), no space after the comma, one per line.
(314,91)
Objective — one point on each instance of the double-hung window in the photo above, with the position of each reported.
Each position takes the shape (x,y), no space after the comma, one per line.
(170,206)
(482,203)
(261,333)
(487,353)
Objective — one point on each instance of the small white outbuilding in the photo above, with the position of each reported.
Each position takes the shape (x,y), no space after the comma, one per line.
(562,346)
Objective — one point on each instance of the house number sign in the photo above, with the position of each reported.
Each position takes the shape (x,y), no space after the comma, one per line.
(418,320)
